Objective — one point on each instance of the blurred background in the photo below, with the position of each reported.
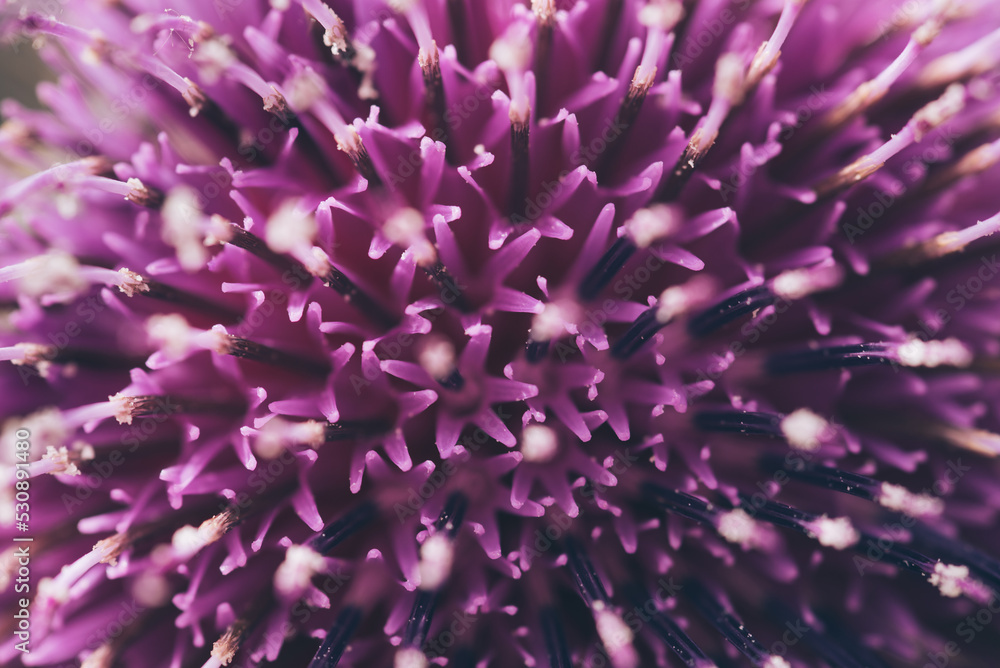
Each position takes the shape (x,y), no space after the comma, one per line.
(20,67)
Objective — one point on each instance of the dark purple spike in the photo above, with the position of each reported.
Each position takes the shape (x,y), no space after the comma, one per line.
(777,513)
(452,514)
(841,647)
(591,587)
(555,639)
(258,352)
(166,293)
(984,565)
(451,291)
(253,244)
(667,630)
(536,351)
(343,527)
(641,331)
(679,503)
(453,381)
(349,430)
(337,637)
(898,555)
(607,266)
(678,177)
(421,614)
(854,484)
(520,168)
(725,622)
(361,300)
(739,422)
(728,310)
(833,357)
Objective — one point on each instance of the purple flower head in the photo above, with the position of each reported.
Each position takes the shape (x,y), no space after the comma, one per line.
(490,333)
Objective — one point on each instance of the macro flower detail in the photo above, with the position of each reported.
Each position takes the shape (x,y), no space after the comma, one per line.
(553,333)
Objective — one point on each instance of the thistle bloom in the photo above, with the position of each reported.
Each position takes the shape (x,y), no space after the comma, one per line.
(446,332)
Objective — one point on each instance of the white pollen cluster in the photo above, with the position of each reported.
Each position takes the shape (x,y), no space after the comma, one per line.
(805,430)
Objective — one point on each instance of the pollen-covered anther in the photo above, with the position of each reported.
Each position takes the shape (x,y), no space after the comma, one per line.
(195,97)
(738,527)
(55,275)
(934,353)
(661,14)
(774,661)
(437,555)
(900,499)
(130,283)
(141,194)
(405,228)
(616,636)
(338,39)
(951,580)
(835,532)
(188,540)
(290,229)
(297,570)
(647,226)
(279,434)
(798,283)
(410,657)
(550,324)
(805,430)
(936,113)
(182,227)
(437,357)
(31,354)
(61,461)
(680,299)
(539,444)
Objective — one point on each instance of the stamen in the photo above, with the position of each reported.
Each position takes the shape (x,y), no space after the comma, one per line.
(555,639)
(806,431)
(728,92)
(448,285)
(606,268)
(972,163)
(536,351)
(767,55)
(520,167)
(873,90)
(342,528)
(545,21)
(539,444)
(837,532)
(225,648)
(730,627)
(728,310)
(437,357)
(831,357)
(258,352)
(590,585)
(405,228)
(679,503)
(667,630)
(335,36)
(981,56)
(329,653)
(350,430)
(954,242)
(739,422)
(926,119)
(366,304)
(673,301)
(644,228)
